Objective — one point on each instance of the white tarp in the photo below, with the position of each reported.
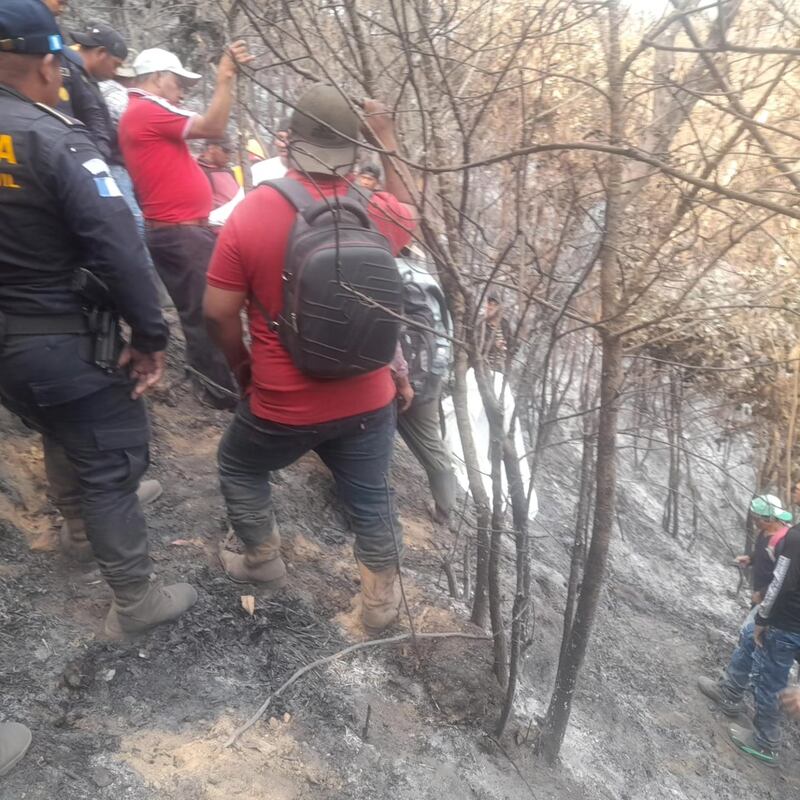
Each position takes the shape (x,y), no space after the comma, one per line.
(480,432)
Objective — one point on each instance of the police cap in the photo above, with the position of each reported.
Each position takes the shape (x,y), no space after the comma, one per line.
(98,35)
(27,26)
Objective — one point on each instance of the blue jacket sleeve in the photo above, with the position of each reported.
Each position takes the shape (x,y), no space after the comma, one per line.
(100,220)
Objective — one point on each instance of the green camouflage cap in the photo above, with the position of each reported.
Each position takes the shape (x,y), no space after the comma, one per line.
(324,130)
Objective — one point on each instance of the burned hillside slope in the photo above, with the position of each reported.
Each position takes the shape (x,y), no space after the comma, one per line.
(151,719)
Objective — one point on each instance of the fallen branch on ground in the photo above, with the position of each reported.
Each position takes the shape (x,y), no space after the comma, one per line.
(339,654)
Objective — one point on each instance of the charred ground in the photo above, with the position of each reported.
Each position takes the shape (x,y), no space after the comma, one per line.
(150,719)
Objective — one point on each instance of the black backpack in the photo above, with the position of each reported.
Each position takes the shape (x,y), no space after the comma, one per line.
(340,280)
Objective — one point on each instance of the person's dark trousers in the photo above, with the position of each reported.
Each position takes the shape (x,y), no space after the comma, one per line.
(767,668)
(357,450)
(181,254)
(96,439)
(125,184)
(419,427)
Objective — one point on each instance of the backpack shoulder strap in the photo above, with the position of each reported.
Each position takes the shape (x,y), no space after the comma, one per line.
(293,191)
(272,324)
(359,194)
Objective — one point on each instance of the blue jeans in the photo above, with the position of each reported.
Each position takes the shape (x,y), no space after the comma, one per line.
(357,450)
(767,669)
(123,179)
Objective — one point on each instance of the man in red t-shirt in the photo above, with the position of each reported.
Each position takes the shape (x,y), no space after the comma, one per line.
(349,423)
(215,161)
(175,195)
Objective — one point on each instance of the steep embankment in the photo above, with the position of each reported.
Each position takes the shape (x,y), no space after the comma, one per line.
(150,720)
(640,729)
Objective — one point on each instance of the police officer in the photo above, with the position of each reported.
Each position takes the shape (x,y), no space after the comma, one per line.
(60,210)
(79,97)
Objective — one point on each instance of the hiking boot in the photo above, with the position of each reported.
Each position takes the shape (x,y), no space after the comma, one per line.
(380,599)
(15,739)
(72,536)
(259,563)
(438,515)
(713,689)
(745,740)
(143,605)
(73,542)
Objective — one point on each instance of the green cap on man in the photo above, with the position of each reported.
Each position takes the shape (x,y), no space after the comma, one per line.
(324,131)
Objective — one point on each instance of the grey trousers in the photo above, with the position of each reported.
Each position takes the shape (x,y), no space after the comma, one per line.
(419,427)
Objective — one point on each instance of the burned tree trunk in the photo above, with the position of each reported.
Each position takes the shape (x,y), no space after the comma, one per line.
(558,712)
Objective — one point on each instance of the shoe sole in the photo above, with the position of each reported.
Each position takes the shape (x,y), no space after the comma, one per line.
(113,631)
(756,757)
(276,583)
(14,761)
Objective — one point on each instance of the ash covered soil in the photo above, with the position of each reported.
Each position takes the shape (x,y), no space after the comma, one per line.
(150,720)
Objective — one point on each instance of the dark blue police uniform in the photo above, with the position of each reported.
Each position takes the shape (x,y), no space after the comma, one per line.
(81,99)
(59,211)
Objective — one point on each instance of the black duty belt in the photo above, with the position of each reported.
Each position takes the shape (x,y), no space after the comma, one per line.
(42,325)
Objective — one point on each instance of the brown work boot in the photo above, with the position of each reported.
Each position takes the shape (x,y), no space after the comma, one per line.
(259,563)
(143,605)
(380,599)
(72,536)
(73,541)
(15,739)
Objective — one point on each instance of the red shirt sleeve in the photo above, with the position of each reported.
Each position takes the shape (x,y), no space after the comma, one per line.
(226,270)
(167,121)
(395,220)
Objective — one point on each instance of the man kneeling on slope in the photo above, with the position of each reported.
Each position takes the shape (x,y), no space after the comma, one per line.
(349,421)
(767,648)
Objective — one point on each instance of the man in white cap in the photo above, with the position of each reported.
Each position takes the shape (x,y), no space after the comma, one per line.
(175,195)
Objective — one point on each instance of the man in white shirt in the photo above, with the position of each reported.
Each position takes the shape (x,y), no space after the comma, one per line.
(273,168)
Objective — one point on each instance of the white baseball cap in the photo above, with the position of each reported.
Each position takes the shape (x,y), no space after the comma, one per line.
(157,60)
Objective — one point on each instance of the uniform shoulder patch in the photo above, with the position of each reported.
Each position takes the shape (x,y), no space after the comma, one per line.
(69,121)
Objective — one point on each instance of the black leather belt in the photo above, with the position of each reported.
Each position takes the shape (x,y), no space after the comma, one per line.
(42,325)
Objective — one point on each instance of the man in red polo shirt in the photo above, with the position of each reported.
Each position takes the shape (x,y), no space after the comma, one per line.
(349,423)
(175,195)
